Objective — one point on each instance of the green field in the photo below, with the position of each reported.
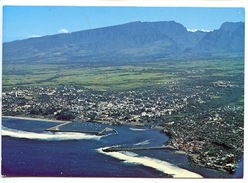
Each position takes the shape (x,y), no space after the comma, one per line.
(199,102)
(121,77)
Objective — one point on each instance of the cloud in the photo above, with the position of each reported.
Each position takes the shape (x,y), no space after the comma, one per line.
(34,36)
(194,30)
(63,30)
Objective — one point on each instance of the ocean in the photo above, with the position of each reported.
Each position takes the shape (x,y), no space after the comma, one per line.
(30,151)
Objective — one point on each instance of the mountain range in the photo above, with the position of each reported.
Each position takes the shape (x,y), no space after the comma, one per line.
(130,41)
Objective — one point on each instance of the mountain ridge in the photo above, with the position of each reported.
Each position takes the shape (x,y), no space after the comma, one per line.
(227,38)
(134,40)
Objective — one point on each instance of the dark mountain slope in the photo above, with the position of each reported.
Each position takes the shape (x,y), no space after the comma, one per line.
(229,38)
(136,40)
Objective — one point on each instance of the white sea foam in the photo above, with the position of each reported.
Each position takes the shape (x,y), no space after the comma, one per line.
(159,165)
(128,153)
(145,142)
(138,129)
(46,135)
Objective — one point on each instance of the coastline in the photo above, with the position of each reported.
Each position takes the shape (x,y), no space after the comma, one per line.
(167,145)
(35,119)
(133,124)
(140,159)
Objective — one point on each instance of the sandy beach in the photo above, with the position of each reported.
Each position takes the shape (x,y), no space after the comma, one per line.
(59,123)
(36,119)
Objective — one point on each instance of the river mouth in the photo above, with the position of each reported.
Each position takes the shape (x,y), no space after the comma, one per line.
(140,149)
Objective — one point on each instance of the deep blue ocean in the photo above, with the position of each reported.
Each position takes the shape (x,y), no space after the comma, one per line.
(28,150)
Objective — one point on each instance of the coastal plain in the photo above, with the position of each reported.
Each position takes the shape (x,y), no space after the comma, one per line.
(199,103)
(116,76)
(159,99)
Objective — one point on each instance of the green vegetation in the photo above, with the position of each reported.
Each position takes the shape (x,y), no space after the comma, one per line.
(121,77)
(199,103)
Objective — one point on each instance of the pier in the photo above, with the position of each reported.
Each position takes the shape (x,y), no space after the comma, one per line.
(99,133)
(114,149)
(74,131)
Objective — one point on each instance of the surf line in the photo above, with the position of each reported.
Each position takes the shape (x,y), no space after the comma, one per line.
(47,136)
(157,164)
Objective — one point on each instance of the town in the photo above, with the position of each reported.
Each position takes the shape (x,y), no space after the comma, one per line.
(202,119)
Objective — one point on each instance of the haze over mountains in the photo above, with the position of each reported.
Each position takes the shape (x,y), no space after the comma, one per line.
(134,41)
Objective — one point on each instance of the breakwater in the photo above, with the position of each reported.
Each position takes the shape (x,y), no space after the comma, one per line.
(114,149)
(105,131)
(75,131)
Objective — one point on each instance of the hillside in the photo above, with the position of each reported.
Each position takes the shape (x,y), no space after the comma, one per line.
(136,40)
(229,38)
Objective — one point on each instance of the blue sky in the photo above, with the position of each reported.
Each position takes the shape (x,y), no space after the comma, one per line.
(21,22)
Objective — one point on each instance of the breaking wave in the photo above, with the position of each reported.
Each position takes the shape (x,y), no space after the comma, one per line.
(46,135)
(128,153)
(138,129)
(145,142)
(159,165)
